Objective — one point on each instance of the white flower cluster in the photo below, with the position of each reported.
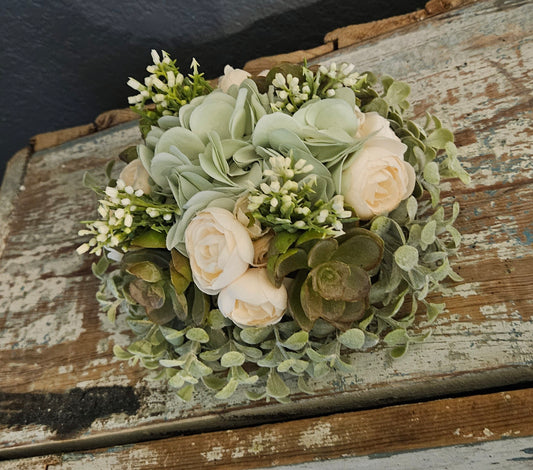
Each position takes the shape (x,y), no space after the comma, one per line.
(123,210)
(163,79)
(289,94)
(286,202)
(342,75)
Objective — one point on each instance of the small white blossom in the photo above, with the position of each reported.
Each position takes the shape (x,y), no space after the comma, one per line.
(83,249)
(111,192)
(135,84)
(155,56)
(128,220)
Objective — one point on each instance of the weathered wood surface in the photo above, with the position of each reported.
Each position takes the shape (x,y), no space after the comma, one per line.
(436,430)
(61,386)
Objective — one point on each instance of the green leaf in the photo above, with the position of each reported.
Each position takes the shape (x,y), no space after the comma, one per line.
(198,369)
(378,105)
(282,242)
(434,310)
(150,239)
(398,336)
(145,270)
(216,320)
(353,338)
(177,381)
(254,396)
(439,138)
(174,337)
(304,387)
(406,257)
(100,267)
(232,359)
(228,390)
(185,393)
(213,382)
(275,386)
(121,353)
(173,362)
(431,173)
(427,236)
(255,335)
(249,352)
(200,306)
(397,93)
(197,334)
(297,341)
(399,351)
(315,356)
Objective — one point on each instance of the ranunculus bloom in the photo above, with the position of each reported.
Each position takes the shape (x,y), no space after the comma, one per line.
(231,77)
(240,210)
(261,247)
(252,300)
(379,178)
(373,123)
(219,248)
(135,175)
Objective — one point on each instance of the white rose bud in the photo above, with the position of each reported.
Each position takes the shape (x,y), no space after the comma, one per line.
(231,77)
(379,178)
(252,300)
(135,175)
(219,248)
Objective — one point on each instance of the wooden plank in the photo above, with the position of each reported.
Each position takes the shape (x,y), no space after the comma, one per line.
(56,348)
(442,428)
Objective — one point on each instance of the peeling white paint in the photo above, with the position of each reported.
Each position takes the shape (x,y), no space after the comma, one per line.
(262,442)
(494,311)
(317,436)
(216,453)
(51,329)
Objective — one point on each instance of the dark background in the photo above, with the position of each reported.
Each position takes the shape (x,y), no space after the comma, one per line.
(63,62)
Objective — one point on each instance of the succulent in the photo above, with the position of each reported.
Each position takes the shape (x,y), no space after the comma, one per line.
(333,279)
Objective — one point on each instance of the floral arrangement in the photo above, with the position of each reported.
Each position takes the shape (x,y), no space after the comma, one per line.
(269,226)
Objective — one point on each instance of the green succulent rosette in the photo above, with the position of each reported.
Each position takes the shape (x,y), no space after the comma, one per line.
(267,228)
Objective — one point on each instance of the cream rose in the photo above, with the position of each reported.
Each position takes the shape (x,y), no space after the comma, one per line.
(252,300)
(219,249)
(135,175)
(379,178)
(231,77)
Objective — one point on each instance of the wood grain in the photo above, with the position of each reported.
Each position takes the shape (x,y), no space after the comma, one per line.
(377,433)
(472,67)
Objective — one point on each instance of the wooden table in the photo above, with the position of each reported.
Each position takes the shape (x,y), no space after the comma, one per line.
(461,399)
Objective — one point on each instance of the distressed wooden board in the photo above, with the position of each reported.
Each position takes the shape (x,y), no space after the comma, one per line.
(473,68)
(441,432)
